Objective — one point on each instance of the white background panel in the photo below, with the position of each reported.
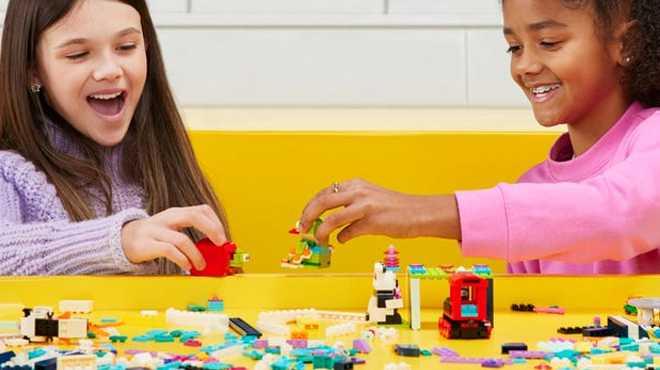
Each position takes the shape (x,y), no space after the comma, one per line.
(316,67)
(445,6)
(488,79)
(353,53)
(288,6)
(168,5)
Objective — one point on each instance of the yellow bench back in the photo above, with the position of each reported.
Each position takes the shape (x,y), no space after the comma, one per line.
(265,178)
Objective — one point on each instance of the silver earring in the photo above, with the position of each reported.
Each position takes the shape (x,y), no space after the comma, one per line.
(628,59)
(35,88)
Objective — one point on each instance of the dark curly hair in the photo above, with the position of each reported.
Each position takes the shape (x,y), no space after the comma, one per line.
(641,44)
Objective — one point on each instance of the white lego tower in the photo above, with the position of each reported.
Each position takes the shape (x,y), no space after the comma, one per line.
(386,300)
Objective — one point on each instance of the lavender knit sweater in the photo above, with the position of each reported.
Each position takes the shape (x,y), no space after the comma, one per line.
(36,236)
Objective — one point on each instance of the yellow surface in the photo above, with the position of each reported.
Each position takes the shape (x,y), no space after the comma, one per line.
(264,179)
(215,118)
(248,295)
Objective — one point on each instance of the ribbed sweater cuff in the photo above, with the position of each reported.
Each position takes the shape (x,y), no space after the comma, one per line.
(483,223)
(94,247)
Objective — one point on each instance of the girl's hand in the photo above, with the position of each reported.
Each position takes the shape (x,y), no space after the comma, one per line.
(160,236)
(371,209)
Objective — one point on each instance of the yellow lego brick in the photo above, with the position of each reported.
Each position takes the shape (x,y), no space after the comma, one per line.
(611,357)
(584,346)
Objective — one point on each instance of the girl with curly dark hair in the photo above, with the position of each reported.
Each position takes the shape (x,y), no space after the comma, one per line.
(593,207)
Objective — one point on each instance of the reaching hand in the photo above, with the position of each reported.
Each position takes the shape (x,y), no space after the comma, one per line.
(160,236)
(371,209)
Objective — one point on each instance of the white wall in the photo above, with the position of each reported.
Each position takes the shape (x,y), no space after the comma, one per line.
(335,53)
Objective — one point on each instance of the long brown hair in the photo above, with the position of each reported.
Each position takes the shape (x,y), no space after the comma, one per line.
(157,152)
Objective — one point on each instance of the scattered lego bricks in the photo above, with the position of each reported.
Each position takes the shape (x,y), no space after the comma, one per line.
(620,342)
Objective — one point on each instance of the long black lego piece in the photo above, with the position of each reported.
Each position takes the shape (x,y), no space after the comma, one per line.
(243,328)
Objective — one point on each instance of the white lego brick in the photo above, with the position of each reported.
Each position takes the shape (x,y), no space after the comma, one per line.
(276,341)
(340,329)
(285,316)
(394,303)
(76,362)
(273,328)
(414,301)
(72,328)
(16,342)
(9,325)
(342,316)
(77,306)
(311,343)
(397,366)
(178,317)
(27,327)
(228,353)
(142,359)
(149,313)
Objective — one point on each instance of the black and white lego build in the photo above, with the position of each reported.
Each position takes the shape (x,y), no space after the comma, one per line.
(386,300)
(40,325)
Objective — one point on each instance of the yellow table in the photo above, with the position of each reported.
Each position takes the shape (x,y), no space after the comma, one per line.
(246,296)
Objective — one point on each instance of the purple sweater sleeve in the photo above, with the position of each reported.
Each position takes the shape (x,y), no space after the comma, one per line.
(613,214)
(69,248)
(37,238)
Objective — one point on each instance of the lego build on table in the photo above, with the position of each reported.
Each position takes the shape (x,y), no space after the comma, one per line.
(221,260)
(468,311)
(282,340)
(307,253)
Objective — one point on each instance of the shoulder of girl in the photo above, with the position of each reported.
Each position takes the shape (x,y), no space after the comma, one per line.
(11,159)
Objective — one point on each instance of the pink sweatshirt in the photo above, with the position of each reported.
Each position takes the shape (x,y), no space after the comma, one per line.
(596,214)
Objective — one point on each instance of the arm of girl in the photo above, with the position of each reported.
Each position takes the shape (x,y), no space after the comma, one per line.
(371,209)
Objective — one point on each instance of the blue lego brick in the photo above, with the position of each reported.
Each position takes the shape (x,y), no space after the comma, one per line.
(343,364)
(6,356)
(407,350)
(36,353)
(469,310)
(216,305)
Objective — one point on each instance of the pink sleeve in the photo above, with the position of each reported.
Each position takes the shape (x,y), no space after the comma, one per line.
(485,234)
(614,215)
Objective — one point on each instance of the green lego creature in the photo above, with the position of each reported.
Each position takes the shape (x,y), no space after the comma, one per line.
(307,253)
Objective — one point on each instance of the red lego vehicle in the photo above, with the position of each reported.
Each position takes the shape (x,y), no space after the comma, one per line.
(466,311)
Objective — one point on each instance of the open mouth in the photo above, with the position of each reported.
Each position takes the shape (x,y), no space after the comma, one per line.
(543,89)
(107,104)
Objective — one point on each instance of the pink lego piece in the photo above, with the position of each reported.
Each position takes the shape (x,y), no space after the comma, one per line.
(557,310)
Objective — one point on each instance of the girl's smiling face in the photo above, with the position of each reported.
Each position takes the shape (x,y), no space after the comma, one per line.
(93,67)
(563,64)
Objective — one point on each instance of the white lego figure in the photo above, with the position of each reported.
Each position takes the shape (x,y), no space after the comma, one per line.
(387,299)
(40,325)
